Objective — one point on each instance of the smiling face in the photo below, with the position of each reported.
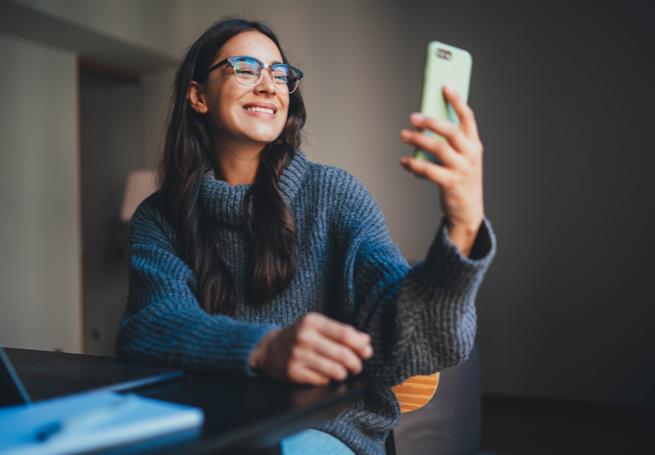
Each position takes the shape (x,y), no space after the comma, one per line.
(243,117)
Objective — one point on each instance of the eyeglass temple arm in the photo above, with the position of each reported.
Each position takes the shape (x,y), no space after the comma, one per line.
(209,70)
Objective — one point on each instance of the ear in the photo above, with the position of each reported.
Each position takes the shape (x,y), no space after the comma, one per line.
(196,98)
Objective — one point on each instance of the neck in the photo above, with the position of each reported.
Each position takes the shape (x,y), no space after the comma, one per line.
(238,165)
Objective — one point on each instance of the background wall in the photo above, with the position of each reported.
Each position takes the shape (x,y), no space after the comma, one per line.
(112,144)
(563,96)
(40,247)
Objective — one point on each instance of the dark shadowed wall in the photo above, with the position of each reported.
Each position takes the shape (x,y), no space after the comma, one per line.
(564,96)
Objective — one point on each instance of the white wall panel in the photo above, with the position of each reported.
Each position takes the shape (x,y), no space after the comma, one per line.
(39,205)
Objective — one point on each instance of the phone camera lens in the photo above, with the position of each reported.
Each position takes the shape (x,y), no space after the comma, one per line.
(442,53)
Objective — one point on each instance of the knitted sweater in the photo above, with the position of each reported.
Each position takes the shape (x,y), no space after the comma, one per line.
(421,319)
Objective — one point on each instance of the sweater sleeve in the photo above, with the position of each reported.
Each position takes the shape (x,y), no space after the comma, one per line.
(163,322)
(421,319)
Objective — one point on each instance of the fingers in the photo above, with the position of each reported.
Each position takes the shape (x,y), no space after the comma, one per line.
(438,174)
(433,145)
(341,333)
(339,353)
(321,365)
(462,142)
(467,121)
(304,375)
(448,130)
(460,175)
(315,350)
(325,355)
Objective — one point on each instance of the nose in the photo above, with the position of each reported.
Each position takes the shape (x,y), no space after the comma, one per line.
(267,84)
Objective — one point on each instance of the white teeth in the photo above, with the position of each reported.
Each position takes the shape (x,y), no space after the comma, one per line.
(260,109)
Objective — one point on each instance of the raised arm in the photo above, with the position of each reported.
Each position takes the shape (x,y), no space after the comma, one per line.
(460,176)
(420,319)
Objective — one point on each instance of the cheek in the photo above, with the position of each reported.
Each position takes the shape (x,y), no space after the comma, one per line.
(285,116)
(283,122)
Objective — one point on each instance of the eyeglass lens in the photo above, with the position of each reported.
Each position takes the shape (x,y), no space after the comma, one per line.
(249,72)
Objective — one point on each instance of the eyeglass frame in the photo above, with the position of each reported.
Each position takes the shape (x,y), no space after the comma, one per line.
(232,61)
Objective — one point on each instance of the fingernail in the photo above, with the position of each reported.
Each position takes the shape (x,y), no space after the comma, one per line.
(405,135)
(368,351)
(417,117)
(449,88)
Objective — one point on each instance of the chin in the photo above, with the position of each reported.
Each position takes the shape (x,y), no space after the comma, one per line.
(266,137)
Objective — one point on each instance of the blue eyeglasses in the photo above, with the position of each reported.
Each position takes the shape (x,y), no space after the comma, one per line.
(249,71)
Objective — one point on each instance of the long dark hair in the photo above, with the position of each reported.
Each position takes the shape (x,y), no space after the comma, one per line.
(189,153)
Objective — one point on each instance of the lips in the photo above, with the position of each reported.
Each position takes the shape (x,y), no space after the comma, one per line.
(259,107)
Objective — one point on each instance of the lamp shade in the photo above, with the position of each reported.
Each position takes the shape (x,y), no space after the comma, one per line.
(140,185)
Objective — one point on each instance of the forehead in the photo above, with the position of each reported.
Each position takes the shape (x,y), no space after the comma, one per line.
(252,44)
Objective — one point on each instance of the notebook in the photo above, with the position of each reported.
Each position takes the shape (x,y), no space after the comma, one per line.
(92,421)
(89,421)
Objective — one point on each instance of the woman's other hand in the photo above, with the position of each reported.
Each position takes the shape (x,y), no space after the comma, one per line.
(460,176)
(314,350)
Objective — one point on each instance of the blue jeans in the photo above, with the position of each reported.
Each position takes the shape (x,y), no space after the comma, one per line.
(314,441)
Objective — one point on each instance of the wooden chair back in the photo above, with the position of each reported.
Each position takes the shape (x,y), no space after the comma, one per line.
(416,391)
(412,394)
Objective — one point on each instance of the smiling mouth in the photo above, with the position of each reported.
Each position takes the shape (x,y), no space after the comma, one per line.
(260,109)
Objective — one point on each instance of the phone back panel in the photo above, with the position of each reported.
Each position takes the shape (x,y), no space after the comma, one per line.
(444,65)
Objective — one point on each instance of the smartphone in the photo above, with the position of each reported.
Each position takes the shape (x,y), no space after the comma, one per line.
(445,65)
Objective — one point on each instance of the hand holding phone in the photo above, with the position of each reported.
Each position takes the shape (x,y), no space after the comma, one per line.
(450,155)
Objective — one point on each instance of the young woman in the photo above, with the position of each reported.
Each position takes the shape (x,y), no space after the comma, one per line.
(251,260)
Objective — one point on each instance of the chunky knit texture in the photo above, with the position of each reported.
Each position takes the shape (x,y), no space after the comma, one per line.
(421,319)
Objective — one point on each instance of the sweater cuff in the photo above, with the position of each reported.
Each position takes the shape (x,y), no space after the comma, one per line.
(484,247)
(245,338)
(445,264)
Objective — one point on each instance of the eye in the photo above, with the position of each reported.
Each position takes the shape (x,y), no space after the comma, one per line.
(281,75)
(247,70)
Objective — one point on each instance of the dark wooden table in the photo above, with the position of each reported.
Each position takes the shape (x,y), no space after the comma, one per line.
(241,415)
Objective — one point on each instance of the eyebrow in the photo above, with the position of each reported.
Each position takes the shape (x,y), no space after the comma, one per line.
(275,62)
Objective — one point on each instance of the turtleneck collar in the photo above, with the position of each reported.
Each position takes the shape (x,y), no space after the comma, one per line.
(225,203)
